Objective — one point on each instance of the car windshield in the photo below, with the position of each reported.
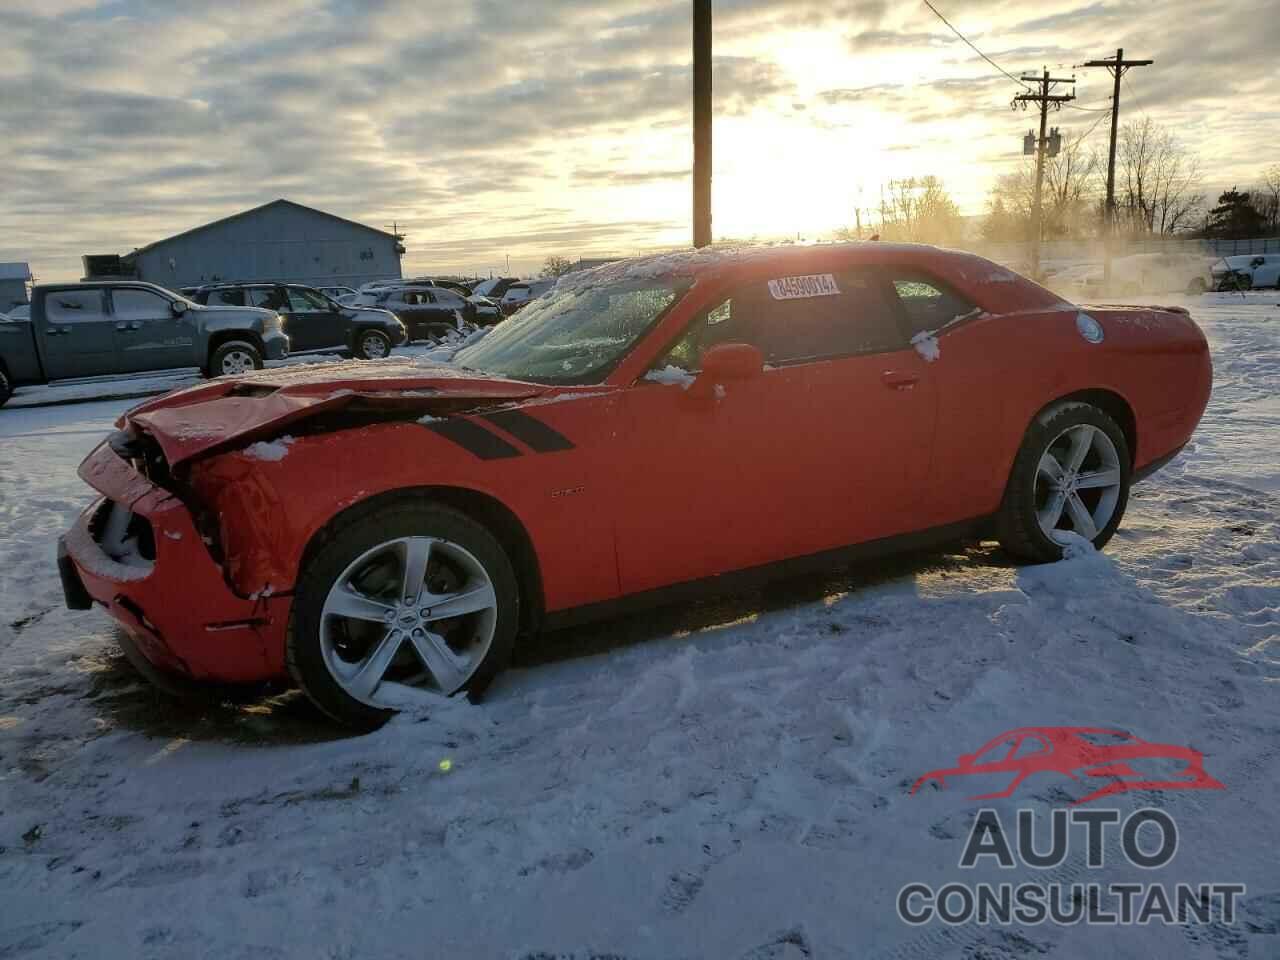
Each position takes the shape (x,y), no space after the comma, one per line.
(574,335)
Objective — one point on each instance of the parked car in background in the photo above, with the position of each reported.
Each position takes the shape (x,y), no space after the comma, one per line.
(519,294)
(428,313)
(110,327)
(488,312)
(421,519)
(494,287)
(1247,271)
(313,321)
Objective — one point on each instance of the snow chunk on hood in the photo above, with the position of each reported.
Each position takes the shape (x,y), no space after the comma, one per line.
(272,451)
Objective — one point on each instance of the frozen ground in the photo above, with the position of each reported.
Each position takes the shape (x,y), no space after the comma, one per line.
(723,781)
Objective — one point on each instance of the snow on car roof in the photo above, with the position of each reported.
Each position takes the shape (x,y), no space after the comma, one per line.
(686,262)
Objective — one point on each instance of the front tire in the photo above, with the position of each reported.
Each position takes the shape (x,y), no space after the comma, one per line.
(234,357)
(419,595)
(1071,477)
(373,345)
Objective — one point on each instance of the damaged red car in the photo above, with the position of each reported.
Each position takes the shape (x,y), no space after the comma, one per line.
(648,428)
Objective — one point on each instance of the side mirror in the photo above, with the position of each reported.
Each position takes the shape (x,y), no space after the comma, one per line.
(731,361)
(178,307)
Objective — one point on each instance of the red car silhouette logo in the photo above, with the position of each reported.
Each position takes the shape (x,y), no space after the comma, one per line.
(1081,753)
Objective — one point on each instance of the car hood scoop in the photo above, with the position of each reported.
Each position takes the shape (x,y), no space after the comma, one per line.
(212,417)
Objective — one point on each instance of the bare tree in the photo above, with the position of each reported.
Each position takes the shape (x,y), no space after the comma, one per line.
(1157,180)
(1267,198)
(919,209)
(556,266)
(1070,196)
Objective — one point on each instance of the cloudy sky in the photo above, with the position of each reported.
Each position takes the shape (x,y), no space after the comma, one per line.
(522,128)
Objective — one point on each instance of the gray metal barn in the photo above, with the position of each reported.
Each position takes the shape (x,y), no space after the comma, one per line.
(14,278)
(281,240)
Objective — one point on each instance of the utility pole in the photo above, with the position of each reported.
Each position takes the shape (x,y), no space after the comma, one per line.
(1044,96)
(701,123)
(1118,68)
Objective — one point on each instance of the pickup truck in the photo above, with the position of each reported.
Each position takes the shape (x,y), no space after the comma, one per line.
(110,327)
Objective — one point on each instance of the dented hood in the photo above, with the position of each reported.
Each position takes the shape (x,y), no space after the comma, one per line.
(230,413)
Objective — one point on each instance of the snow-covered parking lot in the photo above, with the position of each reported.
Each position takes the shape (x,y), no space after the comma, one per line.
(728,780)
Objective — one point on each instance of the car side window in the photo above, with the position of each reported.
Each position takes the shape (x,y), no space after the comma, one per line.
(268,298)
(927,303)
(138,305)
(69,306)
(226,298)
(304,301)
(797,320)
(1029,747)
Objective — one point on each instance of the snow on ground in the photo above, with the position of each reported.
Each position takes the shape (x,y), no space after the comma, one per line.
(723,780)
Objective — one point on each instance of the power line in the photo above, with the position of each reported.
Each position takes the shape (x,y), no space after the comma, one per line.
(1089,109)
(974,48)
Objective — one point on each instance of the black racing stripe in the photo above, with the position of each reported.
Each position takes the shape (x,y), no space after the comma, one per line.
(475,438)
(530,431)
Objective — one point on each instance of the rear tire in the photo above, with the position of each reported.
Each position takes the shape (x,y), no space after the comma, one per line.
(234,357)
(342,660)
(1049,496)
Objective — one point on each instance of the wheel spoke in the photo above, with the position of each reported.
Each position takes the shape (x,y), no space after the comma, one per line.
(417,554)
(1081,518)
(442,663)
(1052,511)
(374,667)
(345,602)
(1107,477)
(1081,442)
(1050,467)
(456,604)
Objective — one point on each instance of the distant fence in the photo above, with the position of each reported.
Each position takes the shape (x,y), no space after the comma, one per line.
(1093,249)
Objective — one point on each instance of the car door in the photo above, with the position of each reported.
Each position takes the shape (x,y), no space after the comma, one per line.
(79,334)
(149,335)
(322,326)
(970,362)
(827,446)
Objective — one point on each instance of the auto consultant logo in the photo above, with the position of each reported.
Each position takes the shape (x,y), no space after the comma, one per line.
(1086,754)
(1147,838)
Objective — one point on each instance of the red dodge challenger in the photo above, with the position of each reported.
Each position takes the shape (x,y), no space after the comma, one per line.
(649,427)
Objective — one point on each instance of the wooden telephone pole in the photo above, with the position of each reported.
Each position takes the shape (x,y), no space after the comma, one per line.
(1044,96)
(1118,68)
(701,123)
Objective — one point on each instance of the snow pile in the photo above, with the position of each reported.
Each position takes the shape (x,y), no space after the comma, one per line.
(671,375)
(271,451)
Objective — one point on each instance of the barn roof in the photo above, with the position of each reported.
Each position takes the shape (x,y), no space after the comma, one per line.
(259,209)
(15,271)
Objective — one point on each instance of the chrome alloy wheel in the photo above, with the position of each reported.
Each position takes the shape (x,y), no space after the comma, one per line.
(1077,483)
(237,361)
(373,347)
(418,610)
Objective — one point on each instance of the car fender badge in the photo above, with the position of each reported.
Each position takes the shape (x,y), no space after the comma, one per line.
(1089,328)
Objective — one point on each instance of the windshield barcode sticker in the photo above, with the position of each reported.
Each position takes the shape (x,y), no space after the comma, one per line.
(797,288)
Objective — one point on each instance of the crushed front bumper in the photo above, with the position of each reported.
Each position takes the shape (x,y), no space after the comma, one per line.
(176,604)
